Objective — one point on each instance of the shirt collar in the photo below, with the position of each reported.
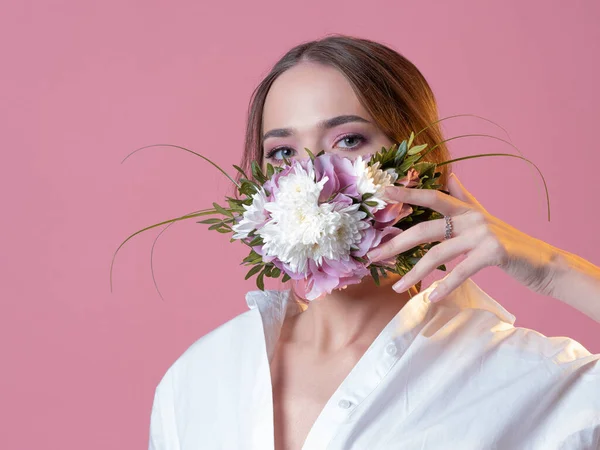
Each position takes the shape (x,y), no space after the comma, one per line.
(274,305)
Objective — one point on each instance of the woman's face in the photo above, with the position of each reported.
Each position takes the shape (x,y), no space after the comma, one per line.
(314,106)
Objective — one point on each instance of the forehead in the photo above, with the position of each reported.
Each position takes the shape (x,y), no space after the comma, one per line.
(307,93)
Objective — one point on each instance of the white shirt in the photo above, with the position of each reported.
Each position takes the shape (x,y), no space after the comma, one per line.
(450,375)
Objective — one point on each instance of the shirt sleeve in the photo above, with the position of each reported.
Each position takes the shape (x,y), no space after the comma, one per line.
(163,426)
(576,395)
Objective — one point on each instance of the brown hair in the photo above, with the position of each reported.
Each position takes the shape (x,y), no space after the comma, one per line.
(388,85)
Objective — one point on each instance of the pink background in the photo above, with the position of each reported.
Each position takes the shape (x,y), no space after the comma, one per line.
(85,83)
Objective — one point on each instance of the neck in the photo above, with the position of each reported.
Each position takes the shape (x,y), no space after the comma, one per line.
(348,317)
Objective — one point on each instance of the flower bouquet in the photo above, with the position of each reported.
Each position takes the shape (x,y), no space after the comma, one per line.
(315,219)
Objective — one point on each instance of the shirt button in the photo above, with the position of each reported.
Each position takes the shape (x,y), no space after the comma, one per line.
(343,403)
(391,349)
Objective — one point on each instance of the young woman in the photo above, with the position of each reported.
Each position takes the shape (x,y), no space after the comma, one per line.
(370,367)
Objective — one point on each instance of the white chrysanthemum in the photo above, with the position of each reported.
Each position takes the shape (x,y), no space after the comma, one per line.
(300,186)
(254,215)
(373,180)
(301,229)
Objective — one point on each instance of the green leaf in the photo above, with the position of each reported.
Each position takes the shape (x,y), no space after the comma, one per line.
(260,281)
(371,203)
(408,162)
(247,188)
(233,202)
(425,169)
(253,271)
(275,272)
(257,172)
(417,149)
(239,169)
(285,278)
(258,240)
(401,153)
(375,275)
(367,212)
(210,221)
(224,230)
(412,137)
(253,256)
(222,210)
(270,170)
(310,155)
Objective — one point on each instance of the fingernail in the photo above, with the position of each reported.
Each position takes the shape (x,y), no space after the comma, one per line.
(373,254)
(386,199)
(434,296)
(386,195)
(400,285)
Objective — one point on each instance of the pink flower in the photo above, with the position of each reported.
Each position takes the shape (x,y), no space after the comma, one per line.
(340,172)
(333,275)
(391,214)
(305,234)
(411,179)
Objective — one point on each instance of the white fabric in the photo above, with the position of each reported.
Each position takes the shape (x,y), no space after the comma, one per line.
(450,375)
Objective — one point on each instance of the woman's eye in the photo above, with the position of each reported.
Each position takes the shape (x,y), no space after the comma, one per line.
(352,138)
(273,152)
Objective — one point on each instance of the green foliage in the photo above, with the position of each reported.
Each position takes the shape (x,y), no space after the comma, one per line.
(222,210)
(399,158)
(253,271)
(270,170)
(375,274)
(239,169)
(411,138)
(417,149)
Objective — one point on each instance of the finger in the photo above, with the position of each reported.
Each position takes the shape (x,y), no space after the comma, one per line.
(430,198)
(429,231)
(468,267)
(458,190)
(435,257)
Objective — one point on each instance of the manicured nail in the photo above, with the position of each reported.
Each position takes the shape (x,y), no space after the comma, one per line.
(386,199)
(400,285)
(373,254)
(434,296)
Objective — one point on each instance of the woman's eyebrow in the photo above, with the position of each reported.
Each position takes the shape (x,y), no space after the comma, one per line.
(324,124)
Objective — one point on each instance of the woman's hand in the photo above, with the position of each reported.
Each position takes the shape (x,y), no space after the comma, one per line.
(486,241)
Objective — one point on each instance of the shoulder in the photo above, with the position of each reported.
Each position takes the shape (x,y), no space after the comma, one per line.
(526,376)
(485,317)
(221,351)
(480,333)
(563,393)
(571,370)
(211,371)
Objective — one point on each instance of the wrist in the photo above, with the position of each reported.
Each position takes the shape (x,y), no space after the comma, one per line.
(576,282)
